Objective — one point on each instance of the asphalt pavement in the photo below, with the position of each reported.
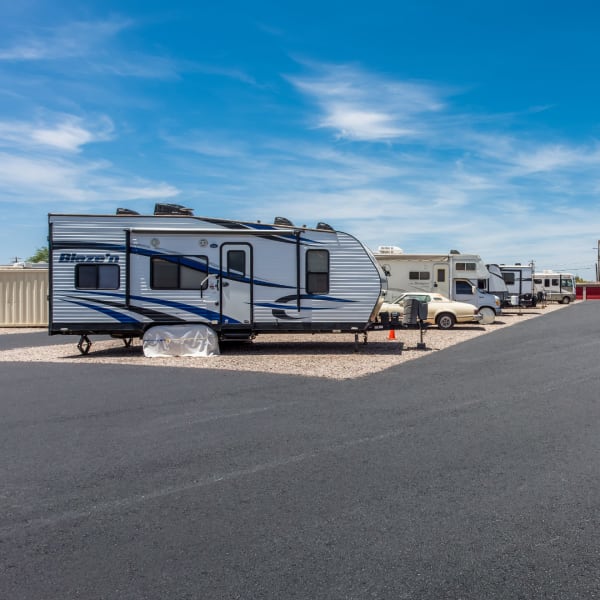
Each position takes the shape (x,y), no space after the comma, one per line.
(471,473)
(34,338)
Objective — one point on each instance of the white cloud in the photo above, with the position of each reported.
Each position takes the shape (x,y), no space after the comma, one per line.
(75,39)
(91,48)
(66,133)
(361,106)
(43,180)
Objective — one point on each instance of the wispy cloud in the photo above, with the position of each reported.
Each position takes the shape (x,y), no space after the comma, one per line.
(41,180)
(361,106)
(91,47)
(75,39)
(208,144)
(67,133)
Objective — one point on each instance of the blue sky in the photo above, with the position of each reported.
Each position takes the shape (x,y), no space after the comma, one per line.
(429,125)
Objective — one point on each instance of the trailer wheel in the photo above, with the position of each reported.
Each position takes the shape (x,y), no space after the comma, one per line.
(445,321)
(488,314)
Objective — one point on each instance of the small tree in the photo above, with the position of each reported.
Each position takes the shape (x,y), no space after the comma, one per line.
(41,255)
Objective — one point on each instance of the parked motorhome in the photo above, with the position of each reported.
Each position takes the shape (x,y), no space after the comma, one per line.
(554,286)
(122,274)
(454,275)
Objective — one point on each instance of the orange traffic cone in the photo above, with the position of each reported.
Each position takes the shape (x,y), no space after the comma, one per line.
(392,334)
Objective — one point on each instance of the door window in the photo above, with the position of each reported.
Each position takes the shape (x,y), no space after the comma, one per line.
(236,263)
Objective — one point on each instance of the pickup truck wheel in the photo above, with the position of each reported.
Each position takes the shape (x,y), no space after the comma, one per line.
(445,321)
(488,314)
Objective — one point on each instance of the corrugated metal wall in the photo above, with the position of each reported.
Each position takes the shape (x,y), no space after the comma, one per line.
(23,297)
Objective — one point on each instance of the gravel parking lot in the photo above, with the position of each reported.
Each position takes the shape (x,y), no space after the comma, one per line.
(332,356)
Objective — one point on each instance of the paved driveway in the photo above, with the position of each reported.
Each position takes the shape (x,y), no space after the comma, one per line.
(471,473)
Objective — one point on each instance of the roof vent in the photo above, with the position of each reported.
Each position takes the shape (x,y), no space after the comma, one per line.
(454,252)
(283,221)
(126,211)
(321,225)
(389,250)
(172,209)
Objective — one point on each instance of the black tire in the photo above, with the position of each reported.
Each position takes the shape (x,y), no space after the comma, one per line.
(445,321)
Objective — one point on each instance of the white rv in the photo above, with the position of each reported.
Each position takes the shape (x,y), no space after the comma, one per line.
(519,284)
(552,285)
(123,274)
(455,275)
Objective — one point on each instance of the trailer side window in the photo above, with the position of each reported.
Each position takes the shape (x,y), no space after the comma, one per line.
(317,271)
(509,278)
(97,277)
(178,272)
(441,275)
(418,275)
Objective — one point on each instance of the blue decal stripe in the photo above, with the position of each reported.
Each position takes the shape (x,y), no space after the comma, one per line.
(88,246)
(328,299)
(293,308)
(201,312)
(113,314)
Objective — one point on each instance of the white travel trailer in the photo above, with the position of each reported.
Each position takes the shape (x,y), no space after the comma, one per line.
(123,274)
(552,285)
(519,284)
(455,275)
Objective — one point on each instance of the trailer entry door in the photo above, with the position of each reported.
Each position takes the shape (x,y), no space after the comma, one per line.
(441,283)
(236,284)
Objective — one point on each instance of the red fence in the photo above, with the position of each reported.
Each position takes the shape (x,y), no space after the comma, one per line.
(588,291)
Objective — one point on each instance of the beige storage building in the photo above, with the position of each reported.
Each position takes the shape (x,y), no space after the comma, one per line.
(24,296)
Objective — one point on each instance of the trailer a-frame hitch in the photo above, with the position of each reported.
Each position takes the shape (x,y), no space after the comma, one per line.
(84,344)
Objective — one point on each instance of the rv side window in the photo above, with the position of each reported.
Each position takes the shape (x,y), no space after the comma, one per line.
(555,282)
(509,278)
(236,263)
(441,275)
(466,267)
(317,271)
(418,275)
(97,277)
(179,273)
(537,281)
